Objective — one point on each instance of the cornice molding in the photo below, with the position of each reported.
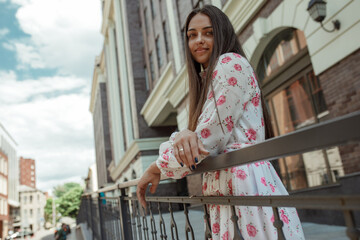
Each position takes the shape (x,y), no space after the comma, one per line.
(240,12)
(157,107)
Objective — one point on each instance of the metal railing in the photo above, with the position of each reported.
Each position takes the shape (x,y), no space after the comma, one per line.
(121,217)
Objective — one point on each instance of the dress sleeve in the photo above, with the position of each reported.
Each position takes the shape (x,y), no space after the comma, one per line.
(233,87)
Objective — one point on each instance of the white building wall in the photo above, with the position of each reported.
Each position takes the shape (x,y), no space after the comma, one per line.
(32,203)
(9,147)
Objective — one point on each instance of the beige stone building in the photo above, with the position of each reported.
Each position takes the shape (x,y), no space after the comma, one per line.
(32,203)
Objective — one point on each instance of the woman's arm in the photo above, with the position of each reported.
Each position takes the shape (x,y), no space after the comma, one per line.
(151,175)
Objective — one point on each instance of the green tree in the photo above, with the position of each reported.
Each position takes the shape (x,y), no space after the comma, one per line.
(60,190)
(48,210)
(69,202)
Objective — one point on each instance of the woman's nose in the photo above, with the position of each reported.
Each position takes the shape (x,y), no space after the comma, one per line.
(199,38)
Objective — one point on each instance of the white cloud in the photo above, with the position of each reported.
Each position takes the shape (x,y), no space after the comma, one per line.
(3,31)
(64,34)
(8,46)
(48,116)
(55,131)
(14,92)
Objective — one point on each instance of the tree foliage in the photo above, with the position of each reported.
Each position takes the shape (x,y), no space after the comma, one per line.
(48,210)
(69,203)
(68,200)
(60,190)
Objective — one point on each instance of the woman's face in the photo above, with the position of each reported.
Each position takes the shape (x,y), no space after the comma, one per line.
(200,38)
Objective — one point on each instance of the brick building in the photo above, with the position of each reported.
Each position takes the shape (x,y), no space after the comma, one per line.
(308,75)
(27,172)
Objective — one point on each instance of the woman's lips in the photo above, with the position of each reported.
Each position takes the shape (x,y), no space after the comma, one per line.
(201,50)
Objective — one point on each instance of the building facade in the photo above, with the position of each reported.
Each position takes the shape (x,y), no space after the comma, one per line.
(99,110)
(9,183)
(308,75)
(32,203)
(27,172)
(134,143)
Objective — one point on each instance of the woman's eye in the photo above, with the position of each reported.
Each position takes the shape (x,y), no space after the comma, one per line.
(209,33)
(191,35)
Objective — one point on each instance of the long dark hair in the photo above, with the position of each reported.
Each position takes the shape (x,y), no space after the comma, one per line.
(225,40)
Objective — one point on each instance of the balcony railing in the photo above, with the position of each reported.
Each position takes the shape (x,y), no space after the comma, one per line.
(119,216)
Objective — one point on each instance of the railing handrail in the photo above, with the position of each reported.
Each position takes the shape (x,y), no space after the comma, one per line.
(329,202)
(333,132)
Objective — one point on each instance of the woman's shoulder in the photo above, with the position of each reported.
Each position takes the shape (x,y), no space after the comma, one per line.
(232,60)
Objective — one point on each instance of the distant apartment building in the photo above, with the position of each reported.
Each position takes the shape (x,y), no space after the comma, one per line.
(27,172)
(9,183)
(32,203)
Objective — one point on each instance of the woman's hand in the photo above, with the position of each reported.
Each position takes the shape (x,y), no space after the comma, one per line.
(187,148)
(151,175)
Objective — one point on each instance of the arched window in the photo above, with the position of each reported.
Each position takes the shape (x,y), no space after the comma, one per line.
(295,99)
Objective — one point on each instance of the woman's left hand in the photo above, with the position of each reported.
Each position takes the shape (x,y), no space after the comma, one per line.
(151,175)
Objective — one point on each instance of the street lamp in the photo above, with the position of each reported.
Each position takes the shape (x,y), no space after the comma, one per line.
(317,11)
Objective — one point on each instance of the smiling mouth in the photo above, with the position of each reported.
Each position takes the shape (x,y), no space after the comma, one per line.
(201,50)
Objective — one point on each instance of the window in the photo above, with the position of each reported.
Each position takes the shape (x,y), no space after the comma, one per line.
(32,166)
(32,173)
(152,69)
(147,79)
(31,198)
(25,199)
(31,212)
(295,99)
(158,52)
(147,19)
(282,48)
(153,11)
(166,37)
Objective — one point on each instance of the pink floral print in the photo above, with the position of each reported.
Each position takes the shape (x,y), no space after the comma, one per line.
(237,67)
(205,133)
(255,100)
(251,134)
(216,228)
(211,95)
(229,123)
(233,122)
(251,230)
(214,74)
(221,100)
(226,59)
(241,174)
(263,181)
(232,81)
(225,236)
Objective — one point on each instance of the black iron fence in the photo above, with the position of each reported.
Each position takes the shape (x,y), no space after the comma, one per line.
(119,216)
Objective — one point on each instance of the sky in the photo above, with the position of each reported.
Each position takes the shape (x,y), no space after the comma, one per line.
(47,55)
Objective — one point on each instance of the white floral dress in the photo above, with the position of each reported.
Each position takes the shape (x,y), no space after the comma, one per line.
(238,101)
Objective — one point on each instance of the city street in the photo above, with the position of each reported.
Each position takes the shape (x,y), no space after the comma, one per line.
(49,235)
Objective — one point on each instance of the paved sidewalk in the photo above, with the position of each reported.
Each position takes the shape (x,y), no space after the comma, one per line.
(49,235)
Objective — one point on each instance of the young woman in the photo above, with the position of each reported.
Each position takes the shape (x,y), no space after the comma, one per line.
(226,113)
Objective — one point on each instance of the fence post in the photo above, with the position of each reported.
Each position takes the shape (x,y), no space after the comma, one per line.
(101,220)
(91,217)
(124,217)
